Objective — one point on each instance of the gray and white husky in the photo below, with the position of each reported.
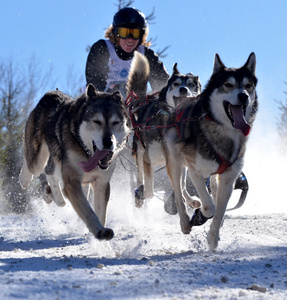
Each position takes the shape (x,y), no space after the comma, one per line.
(151,117)
(76,142)
(209,137)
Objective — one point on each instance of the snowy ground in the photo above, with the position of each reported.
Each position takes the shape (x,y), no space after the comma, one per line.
(48,253)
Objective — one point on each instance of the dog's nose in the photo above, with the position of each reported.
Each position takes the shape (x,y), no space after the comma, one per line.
(107,142)
(183,90)
(243,97)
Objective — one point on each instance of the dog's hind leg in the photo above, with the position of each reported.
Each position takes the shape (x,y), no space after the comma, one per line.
(192,201)
(148,176)
(46,189)
(34,163)
(53,191)
(174,170)
(25,176)
(139,191)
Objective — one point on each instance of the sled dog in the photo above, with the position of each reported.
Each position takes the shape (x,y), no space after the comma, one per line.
(75,142)
(209,136)
(151,116)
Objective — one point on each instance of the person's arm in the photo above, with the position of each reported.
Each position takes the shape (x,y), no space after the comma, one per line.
(158,74)
(97,65)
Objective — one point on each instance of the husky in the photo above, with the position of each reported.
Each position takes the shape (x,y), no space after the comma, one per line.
(75,142)
(151,117)
(209,137)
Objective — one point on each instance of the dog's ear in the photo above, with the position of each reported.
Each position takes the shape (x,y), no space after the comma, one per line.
(251,63)
(218,64)
(175,69)
(91,90)
(116,95)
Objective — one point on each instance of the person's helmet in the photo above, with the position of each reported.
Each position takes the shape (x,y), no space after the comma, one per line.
(129,17)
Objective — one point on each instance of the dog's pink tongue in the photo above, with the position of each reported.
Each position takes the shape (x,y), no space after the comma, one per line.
(93,162)
(239,119)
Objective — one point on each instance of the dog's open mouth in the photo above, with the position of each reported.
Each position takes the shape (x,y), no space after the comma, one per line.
(177,100)
(236,114)
(105,162)
(100,158)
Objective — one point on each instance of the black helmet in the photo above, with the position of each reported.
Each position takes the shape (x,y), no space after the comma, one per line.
(129,17)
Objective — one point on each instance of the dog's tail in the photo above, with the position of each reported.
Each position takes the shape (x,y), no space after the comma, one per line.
(138,75)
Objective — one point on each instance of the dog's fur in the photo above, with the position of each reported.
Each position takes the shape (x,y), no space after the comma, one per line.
(151,119)
(76,142)
(211,133)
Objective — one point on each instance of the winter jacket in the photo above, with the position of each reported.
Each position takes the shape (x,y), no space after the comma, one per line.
(97,66)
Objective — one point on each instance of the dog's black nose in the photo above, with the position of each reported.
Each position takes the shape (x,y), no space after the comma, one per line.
(107,142)
(243,97)
(183,90)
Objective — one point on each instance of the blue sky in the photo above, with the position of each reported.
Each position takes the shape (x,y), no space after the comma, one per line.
(58,32)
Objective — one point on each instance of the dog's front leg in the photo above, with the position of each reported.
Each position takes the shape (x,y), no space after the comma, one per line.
(191,201)
(225,186)
(73,191)
(148,176)
(175,174)
(207,209)
(101,193)
(139,191)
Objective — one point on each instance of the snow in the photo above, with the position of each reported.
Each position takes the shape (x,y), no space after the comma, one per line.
(48,253)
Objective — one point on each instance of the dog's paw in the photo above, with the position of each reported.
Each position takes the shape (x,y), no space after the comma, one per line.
(198,218)
(184,223)
(170,206)
(25,179)
(139,203)
(47,194)
(60,202)
(139,196)
(105,234)
(49,197)
(212,240)
(148,194)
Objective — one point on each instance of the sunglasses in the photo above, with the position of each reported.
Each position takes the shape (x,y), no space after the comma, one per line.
(124,33)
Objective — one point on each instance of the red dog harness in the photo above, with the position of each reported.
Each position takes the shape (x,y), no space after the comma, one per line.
(180,118)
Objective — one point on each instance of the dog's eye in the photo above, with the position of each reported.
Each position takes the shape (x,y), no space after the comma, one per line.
(191,85)
(116,123)
(248,86)
(176,84)
(228,85)
(98,122)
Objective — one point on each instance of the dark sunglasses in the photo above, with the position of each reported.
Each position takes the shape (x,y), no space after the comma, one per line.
(124,33)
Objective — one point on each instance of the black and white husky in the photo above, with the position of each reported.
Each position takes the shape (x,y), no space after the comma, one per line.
(75,142)
(209,137)
(151,118)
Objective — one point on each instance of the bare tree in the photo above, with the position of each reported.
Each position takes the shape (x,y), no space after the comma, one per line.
(75,82)
(124,3)
(282,123)
(18,90)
